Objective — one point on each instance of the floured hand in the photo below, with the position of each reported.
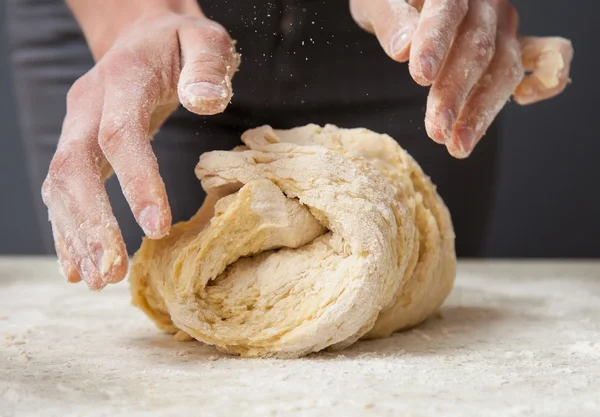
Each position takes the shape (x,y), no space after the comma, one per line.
(159,59)
(470,53)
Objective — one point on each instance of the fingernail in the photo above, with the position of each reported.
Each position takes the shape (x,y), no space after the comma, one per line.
(466,141)
(400,41)
(149,220)
(99,258)
(456,150)
(428,67)
(205,90)
(446,121)
(434,132)
(87,270)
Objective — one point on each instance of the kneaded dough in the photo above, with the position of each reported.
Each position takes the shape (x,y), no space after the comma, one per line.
(310,238)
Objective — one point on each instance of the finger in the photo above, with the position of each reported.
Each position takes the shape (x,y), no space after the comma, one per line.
(549,60)
(431,42)
(74,192)
(85,220)
(67,229)
(392,21)
(130,98)
(209,62)
(471,53)
(67,267)
(66,232)
(493,90)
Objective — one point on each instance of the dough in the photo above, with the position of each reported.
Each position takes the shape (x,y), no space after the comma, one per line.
(310,238)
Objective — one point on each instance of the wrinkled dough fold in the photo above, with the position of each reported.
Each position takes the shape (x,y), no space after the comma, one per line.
(310,238)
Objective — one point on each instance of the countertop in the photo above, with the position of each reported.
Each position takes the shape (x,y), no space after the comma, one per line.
(513,339)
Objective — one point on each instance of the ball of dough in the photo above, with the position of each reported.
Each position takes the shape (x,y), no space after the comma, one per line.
(310,238)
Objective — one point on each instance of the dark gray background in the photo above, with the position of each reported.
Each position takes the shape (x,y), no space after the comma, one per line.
(546,205)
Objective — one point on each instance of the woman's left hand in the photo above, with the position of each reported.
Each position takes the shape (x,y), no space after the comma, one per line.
(470,53)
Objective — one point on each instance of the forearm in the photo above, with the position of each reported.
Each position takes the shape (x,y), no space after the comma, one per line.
(102,20)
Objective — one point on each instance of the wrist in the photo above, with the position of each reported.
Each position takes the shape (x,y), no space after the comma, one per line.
(102,21)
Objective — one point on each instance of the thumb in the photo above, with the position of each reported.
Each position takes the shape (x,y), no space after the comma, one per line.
(209,60)
(392,21)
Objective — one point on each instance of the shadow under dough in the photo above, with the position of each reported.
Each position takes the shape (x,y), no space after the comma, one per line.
(454,328)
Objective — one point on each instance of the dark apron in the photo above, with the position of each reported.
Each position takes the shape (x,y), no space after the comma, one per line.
(303,62)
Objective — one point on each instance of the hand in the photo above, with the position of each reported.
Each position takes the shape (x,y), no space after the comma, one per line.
(161,58)
(470,54)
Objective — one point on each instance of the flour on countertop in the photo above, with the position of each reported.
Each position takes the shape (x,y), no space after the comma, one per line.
(517,340)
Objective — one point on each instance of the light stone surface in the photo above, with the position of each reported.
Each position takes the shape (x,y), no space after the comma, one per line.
(513,339)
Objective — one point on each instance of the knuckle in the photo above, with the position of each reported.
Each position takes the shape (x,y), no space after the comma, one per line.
(515,72)
(514,62)
(120,57)
(61,165)
(78,90)
(216,36)
(70,244)
(112,133)
(218,32)
(133,184)
(484,44)
(122,66)
(209,65)
(47,191)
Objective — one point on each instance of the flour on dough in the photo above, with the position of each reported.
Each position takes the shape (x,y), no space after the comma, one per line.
(310,238)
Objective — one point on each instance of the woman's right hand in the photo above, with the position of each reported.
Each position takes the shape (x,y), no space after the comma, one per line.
(156,57)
